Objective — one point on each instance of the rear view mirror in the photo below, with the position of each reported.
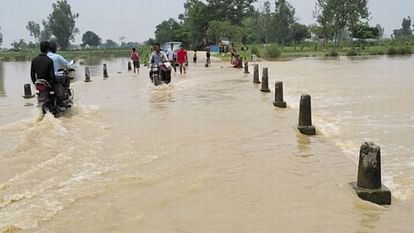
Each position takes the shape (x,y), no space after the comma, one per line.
(72,62)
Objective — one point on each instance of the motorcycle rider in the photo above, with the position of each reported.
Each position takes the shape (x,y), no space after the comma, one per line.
(42,68)
(42,65)
(58,62)
(158,57)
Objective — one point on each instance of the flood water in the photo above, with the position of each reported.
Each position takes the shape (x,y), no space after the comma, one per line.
(209,152)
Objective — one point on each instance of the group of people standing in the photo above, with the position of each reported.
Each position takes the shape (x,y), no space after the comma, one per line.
(167,61)
(179,57)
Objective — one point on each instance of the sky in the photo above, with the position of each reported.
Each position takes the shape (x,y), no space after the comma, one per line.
(136,19)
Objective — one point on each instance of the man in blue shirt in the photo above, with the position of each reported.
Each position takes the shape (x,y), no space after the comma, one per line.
(158,58)
(58,62)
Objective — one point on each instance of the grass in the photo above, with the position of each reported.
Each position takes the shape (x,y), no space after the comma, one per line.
(272,51)
(387,47)
(26,55)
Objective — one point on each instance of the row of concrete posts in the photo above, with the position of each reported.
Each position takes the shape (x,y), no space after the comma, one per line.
(368,186)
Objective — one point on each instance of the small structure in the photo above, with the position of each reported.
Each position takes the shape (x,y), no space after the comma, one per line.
(279,102)
(305,116)
(256,74)
(265,80)
(246,67)
(105,71)
(87,75)
(28,91)
(368,186)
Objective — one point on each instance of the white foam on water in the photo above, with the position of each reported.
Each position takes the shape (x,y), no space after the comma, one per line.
(396,189)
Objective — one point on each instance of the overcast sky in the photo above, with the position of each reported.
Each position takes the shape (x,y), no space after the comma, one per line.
(136,19)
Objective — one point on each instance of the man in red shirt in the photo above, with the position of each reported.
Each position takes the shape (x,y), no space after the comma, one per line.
(182,59)
(135,59)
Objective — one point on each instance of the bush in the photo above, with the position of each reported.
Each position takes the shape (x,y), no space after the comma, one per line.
(352,53)
(405,50)
(392,51)
(399,51)
(332,53)
(255,51)
(273,51)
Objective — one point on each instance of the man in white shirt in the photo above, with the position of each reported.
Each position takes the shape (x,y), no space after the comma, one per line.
(172,56)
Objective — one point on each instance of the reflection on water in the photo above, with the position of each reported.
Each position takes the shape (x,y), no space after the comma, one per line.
(115,65)
(370,216)
(303,146)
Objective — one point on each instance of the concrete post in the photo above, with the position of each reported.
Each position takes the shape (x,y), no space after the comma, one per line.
(279,102)
(246,67)
(256,74)
(368,186)
(305,116)
(129,66)
(265,80)
(87,75)
(105,71)
(28,91)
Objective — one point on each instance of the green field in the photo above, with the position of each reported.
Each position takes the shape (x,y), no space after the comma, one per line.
(26,55)
(386,47)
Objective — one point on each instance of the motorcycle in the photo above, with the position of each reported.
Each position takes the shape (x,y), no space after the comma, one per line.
(155,74)
(55,98)
(160,73)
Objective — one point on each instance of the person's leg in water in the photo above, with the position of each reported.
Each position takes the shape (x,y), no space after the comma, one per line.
(173,64)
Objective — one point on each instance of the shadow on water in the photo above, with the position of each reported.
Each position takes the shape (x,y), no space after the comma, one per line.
(2,88)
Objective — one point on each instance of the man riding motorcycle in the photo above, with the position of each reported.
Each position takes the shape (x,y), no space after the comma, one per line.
(159,59)
(42,66)
(62,81)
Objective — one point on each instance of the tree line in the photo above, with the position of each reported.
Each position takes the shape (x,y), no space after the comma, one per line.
(207,21)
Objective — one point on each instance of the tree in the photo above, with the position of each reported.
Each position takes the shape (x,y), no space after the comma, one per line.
(1,37)
(219,29)
(265,21)
(46,33)
(110,44)
(299,32)
(196,20)
(405,31)
(364,31)
(150,41)
(62,23)
(230,10)
(340,15)
(380,31)
(406,26)
(21,44)
(284,18)
(167,31)
(91,38)
(34,29)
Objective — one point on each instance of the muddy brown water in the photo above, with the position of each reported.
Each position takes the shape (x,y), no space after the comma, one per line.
(208,153)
